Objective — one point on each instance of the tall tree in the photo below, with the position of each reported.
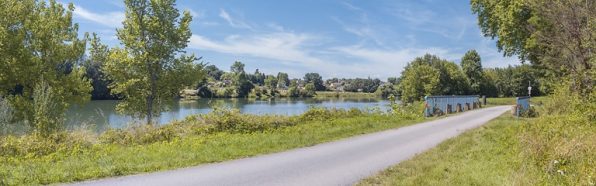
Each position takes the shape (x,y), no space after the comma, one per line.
(240,83)
(471,64)
(152,67)
(38,45)
(283,78)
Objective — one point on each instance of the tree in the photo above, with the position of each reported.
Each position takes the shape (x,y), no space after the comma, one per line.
(152,67)
(240,83)
(505,20)
(316,80)
(283,79)
(419,81)
(309,90)
(271,82)
(451,78)
(392,80)
(471,64)
(95,70)
(214,72)
(364,85)
(556,36)
(38,47)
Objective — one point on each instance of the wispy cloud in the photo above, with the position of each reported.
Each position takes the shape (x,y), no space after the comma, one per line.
(111,19)
(351,7)
(232,22)
(276,27)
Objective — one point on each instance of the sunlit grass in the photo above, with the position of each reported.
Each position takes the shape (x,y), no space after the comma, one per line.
(487,155)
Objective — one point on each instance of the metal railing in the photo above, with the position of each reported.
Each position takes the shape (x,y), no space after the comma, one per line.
(440,102)
(522,103)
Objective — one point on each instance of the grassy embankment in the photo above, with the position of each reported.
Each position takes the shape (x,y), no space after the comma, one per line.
(557,148)
(220,136)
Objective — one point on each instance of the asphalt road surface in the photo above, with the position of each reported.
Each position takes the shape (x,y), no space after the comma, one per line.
(341,162)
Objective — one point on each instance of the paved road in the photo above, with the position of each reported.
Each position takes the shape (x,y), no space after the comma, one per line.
(336,163)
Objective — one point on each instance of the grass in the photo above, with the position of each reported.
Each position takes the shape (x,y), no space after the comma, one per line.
(512,101)
(556,148)
(481,156)
(79,156)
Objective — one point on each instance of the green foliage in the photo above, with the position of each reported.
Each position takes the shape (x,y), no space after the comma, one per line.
(513,81)
(213,72)
(152,67)
(308,91)
(95,70)
(38,40)
(364,85)
(393,80)
(48,113)
(505,20)
(386,90)
(283,79)
(555,36)
(271,82)
(240,83)
(316,80)
(471,65)
(419,81)
(430,75)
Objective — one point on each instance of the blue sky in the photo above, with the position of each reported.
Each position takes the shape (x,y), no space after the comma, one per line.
(335,38)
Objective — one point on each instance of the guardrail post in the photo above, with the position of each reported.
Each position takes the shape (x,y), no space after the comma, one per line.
(425,106)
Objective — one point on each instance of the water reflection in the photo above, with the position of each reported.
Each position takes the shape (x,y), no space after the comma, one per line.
(102,114)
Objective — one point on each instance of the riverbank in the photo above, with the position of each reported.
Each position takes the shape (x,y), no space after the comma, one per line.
(557,148)
(200,139)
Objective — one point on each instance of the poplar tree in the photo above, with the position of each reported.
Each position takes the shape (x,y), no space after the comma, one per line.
(152,67)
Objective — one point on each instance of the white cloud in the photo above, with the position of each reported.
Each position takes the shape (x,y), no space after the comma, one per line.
(280,46)
(232,22)
(111,19)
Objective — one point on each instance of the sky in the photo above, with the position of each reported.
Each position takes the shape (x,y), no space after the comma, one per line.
(335,38)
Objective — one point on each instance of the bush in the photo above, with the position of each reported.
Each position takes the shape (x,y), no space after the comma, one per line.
(48,112)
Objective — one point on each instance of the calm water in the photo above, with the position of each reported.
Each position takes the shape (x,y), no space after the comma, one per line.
(102,114)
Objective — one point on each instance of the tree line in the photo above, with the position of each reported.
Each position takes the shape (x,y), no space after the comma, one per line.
(431,75)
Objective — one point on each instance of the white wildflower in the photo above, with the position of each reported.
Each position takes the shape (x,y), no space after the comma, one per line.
(560,171)
(556,162)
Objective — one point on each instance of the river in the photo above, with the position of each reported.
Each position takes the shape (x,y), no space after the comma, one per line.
(101,114)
